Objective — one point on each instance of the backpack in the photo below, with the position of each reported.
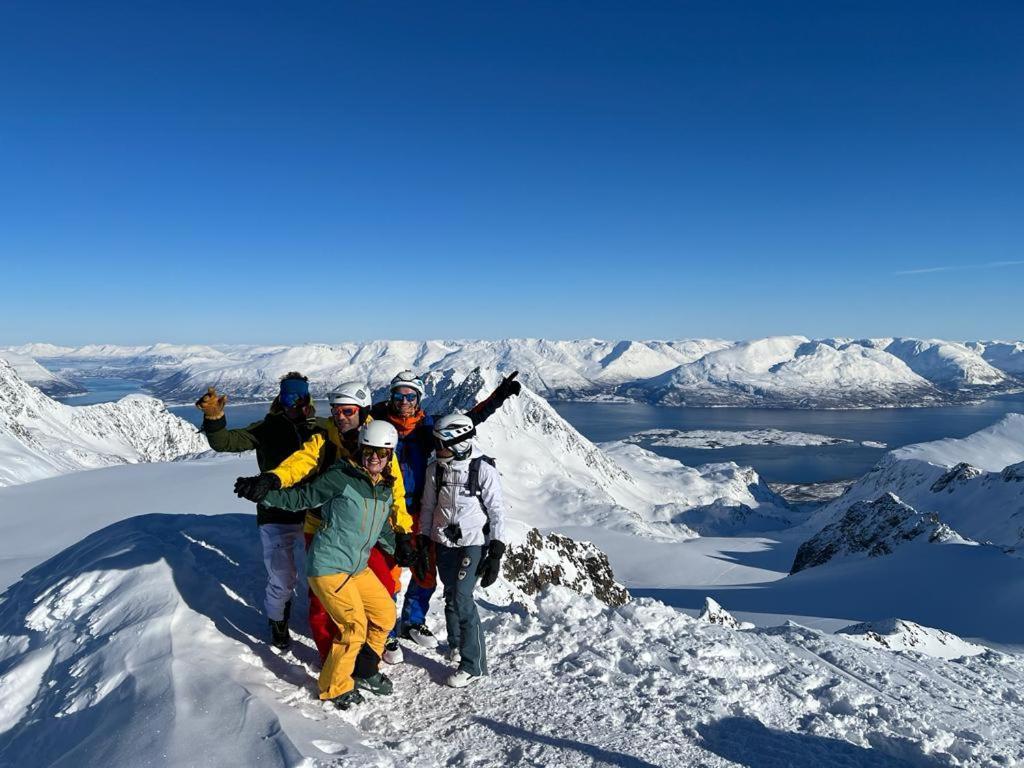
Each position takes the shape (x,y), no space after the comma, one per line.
(474,478)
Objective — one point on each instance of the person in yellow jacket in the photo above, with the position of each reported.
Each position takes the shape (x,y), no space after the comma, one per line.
(350,407)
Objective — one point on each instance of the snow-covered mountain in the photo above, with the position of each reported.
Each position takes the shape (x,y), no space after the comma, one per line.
(975,484)
(795,371)
(901,635)
(554,477)
(32,372)
(872,529)
(776,371)
(40,437)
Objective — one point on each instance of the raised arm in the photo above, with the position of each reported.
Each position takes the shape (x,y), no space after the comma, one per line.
(487,407)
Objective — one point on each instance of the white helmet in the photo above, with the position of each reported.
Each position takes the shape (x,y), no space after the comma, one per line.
(453,429)
(350,393)
(408,379)
(378,434)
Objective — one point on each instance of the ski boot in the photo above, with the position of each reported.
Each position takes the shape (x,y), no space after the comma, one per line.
(279,635)
(393,651)
(419,634)
(378,684)
(461,679)
(347,699)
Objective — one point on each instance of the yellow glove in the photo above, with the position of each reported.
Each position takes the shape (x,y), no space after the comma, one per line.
(212,404)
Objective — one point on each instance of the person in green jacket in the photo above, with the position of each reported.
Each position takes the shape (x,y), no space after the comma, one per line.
(290,422)
(354,497)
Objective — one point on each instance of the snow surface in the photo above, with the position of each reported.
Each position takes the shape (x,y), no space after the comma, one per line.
(40,437)
(143,643)
(30,371)
(710,439)
(900,635)
(983,499)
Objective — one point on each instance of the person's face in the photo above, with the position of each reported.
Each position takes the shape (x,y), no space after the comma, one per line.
(296,411)
(374,459)
(405,401)
(346,417)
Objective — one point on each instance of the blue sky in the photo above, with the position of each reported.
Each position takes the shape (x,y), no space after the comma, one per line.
(277,173)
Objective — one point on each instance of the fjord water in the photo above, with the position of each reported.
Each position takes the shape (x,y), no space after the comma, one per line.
(895,427)
(601,422)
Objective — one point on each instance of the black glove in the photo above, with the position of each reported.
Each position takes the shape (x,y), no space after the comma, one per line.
(255,488)
(509,387)
(420,564)
(490,565)
(405,552)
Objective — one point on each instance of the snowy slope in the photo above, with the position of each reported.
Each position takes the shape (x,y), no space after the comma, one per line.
(40,437)
(900,635)
(142,643)
(1007,356)
(945,362)
(974,484)
(33,373)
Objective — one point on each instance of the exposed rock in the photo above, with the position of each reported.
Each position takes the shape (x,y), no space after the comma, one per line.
(871,528)
(961,473)
(713,613)
(903,635)
(559,560)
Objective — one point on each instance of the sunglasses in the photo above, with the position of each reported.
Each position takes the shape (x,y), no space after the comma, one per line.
(380,453)
(409,397)
(291,399)
(348,411)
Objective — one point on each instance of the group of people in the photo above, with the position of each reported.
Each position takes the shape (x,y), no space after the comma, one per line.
(375,488)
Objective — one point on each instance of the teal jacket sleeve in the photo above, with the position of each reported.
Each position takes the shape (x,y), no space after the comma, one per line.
(309,495)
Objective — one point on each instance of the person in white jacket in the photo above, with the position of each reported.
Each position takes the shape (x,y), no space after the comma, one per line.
(462,516)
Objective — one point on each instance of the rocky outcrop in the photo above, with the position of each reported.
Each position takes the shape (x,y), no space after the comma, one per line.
(558,560)
(871,529)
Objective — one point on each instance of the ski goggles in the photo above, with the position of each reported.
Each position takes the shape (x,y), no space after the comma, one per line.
(348,411)
(370,450)
(407,397)
(292,391)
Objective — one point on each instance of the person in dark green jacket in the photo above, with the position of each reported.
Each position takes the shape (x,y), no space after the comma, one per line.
(290,422)
(354,498)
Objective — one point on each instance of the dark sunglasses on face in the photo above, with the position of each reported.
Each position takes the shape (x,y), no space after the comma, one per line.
(380,453)
(348,411)
(291,399)
(409,397)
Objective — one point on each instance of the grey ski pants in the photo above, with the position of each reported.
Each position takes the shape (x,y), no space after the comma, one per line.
(457,568)
(284,558)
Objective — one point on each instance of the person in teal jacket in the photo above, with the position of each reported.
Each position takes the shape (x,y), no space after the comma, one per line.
(354,497)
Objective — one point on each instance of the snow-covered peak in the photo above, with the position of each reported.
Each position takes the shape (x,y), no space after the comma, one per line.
(902,635)
(40,437)
(871,529)
(713,613)
(33,373)
(790,370)
(990,449)
(945,361)
(969,482)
